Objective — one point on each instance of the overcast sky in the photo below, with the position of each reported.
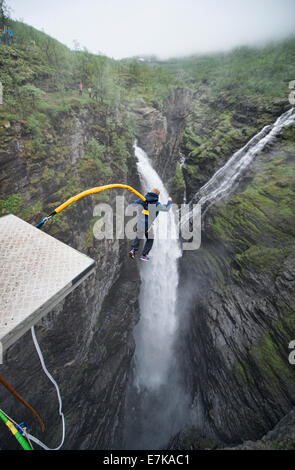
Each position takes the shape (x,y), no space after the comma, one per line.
(166,28)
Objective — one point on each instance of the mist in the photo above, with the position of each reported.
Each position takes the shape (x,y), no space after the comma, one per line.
(165,28)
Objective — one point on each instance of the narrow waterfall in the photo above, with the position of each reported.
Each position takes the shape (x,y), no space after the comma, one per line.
(153,401)
(226,179)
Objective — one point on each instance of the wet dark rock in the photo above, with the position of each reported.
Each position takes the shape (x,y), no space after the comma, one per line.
(159,132)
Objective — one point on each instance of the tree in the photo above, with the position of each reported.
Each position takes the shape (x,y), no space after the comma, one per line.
(104,83)
(4,13)
(30,96)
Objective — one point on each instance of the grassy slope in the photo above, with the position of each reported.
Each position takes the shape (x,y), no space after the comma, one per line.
(40,80)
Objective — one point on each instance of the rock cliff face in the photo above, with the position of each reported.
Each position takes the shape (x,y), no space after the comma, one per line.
(159,132)
(87,341)
(236,296)
(216,128)
(281,437)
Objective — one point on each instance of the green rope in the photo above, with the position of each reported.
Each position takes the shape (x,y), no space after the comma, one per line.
(25,445)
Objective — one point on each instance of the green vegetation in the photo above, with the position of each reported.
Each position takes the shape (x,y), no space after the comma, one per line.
(38,72)
(179,183)
(14,204)
(89,240)
(246,73)
(95,161)
(269,353)
(10,205)
(270,358)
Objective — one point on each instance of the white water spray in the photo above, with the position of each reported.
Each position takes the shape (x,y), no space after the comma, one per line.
(155,332)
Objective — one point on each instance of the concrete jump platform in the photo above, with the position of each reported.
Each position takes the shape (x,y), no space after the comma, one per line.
(36,273)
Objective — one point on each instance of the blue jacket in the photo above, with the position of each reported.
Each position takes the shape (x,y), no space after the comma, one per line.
(152,207)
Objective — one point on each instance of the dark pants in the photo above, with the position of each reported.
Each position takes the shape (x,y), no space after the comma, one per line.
(149,235)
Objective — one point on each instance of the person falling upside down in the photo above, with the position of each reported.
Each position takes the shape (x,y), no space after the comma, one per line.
(151,209)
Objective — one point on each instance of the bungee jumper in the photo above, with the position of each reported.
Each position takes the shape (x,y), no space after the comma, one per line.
(151,208)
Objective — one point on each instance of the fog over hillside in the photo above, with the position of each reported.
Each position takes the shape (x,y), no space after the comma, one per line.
(165,28)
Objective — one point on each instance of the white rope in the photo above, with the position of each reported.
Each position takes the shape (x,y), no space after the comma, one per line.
(26,434)
(34,439)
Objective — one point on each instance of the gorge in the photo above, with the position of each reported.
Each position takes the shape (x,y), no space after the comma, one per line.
(190,350)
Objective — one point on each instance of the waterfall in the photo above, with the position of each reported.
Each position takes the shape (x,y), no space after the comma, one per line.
(226,179)
(154,402)
(159,280)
